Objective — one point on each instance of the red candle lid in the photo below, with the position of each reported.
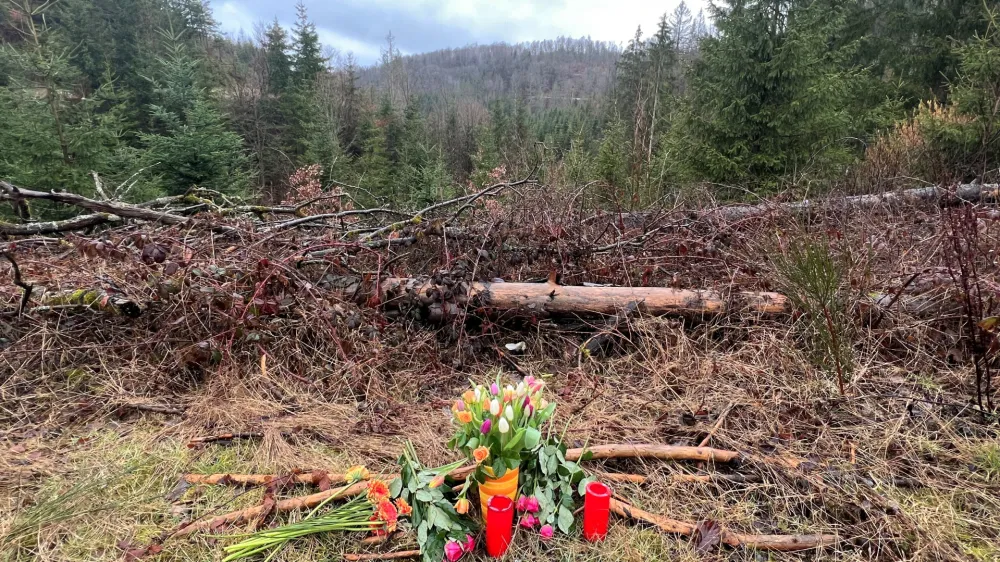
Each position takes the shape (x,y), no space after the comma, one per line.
(500,503)
(598,490)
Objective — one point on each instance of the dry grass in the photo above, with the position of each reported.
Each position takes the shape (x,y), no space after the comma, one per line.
(900,467)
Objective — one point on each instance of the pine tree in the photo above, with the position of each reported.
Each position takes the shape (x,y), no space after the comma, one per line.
(52,135)
(768,94)
(307,60)
(279,64)
(191,145)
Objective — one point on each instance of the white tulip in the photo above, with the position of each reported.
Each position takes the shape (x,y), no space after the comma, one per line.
(495,407)
(479,395)
(508,413)
(504,426)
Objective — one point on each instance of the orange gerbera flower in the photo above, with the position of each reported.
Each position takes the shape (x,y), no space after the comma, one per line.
(388,514)
(481,453)
(464,416)
(378,492)
(403,508)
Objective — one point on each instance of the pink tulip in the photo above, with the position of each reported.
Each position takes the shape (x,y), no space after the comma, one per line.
(546,532)
(494,389)
(487,425)
(453,550)
(470,543)
(459,405)
(528,380)
(531,505)
(529,521)
(522,503)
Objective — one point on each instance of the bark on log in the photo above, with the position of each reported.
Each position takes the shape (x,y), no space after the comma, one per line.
(49,227)
(290,504)
(9,192)
(783,543)
(964,193)
(95,299)
(309,478)
(662,452)
(438,301)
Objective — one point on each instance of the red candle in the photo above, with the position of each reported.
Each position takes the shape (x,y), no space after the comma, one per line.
(499,525)
(596,509)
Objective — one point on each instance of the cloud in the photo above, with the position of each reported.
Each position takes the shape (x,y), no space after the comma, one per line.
(233,17)
(360,26)
(362,51)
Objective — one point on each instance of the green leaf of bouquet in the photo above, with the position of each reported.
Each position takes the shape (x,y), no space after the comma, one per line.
(531,438)
(515,442)
(565,520)
(395,487)
(422,533)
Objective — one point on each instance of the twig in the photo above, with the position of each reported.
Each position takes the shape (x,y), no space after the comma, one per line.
(619,477)
(25,288)
(707,478)
(718,424)
(420,215)
(194,442)
(383,555)
(158,408)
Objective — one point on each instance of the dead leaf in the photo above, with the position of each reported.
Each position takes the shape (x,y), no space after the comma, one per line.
(322,480)
(707,536)
(132,554)
(178,491)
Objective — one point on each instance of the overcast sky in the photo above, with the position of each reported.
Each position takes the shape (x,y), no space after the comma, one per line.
(360,26)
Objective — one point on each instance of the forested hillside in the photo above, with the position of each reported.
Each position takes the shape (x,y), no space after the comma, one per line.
(146,97)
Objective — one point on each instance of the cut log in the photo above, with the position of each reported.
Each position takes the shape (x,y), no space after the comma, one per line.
(782,543)
(964,193)
(439,301)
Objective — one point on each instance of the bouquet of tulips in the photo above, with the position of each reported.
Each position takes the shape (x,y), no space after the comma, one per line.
(375,512)
(496,423)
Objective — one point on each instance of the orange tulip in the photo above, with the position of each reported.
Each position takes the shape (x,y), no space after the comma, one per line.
(462,506)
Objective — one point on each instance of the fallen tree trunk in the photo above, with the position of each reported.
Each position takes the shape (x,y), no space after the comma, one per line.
(49,227)
(9,192)
(437,301)
(782,543)
(964,193)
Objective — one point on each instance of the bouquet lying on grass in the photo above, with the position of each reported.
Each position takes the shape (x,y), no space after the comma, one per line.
(374,512)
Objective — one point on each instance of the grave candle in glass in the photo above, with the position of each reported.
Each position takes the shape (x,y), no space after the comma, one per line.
(596,509)
(499,525)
